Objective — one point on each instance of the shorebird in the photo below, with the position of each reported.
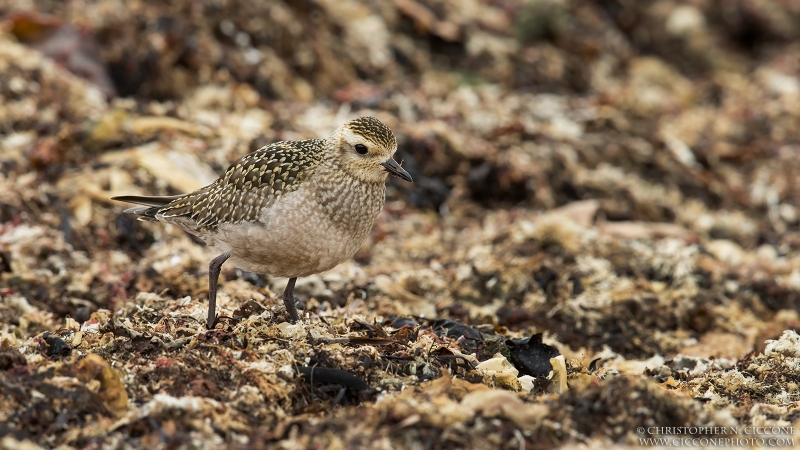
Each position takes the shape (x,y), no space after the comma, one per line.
(290,209)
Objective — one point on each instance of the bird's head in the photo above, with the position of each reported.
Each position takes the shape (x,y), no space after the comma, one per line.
(364,147)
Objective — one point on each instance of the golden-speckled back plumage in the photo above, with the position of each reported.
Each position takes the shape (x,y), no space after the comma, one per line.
(252,183)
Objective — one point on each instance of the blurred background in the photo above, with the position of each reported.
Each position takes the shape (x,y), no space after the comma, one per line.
(620,174)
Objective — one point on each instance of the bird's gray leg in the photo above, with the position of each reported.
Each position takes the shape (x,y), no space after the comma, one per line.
(288,300)
(213,276)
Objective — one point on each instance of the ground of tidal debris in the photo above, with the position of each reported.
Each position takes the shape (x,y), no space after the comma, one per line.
(601,240)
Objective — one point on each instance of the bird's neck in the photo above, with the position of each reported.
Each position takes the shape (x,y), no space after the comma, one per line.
(350,203)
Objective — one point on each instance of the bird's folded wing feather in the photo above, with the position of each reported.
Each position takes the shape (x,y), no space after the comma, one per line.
(250,184)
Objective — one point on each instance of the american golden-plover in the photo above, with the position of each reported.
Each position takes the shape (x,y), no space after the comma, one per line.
(290,209)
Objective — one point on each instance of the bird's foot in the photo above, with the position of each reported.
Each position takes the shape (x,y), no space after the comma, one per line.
(212,322)
(210,325)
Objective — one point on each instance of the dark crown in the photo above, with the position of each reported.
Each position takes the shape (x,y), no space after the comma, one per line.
(373,130)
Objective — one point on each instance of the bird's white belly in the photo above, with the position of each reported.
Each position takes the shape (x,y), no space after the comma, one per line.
(293,238)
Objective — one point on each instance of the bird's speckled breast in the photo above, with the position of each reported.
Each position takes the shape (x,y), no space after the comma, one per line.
(308,231)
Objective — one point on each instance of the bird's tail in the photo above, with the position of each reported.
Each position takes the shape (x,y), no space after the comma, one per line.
(151,205)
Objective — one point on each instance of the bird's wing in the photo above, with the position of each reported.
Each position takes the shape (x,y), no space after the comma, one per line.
(250,184)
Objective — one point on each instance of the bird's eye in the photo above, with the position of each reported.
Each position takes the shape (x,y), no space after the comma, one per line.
(361,149)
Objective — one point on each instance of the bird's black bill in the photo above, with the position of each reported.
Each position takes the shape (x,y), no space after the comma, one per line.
(393,167)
